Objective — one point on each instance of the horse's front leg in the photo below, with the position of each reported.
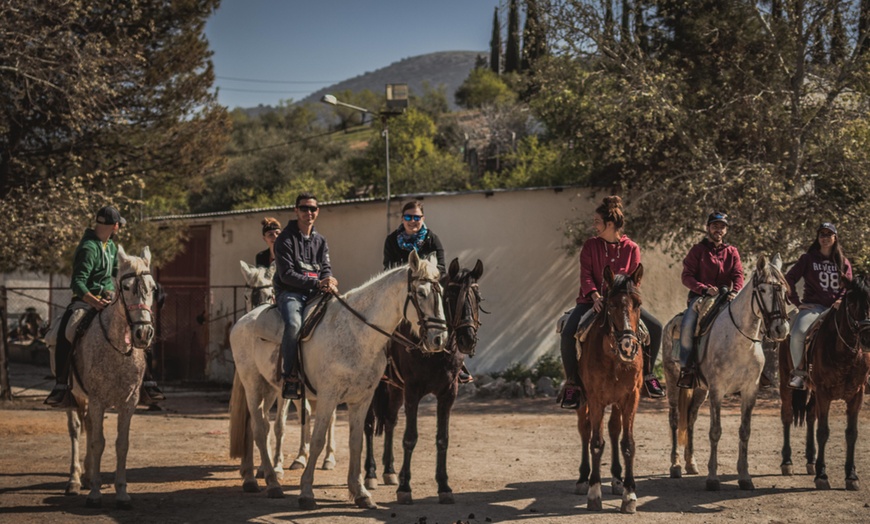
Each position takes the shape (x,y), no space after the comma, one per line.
(96,445)
(613,427)
(596,421)
(698,397)
(370,465)
(279,425)
(122,446)
(629,497)
(673,393)
(329,457)
(303,411)
(823,407)
(318,439)
(853,409)
(388,461)
(582,486)
(810,450)
(409,442)
(713,483)
(74,426)
(356,414)
(747,404)
(786,415)
(442,440)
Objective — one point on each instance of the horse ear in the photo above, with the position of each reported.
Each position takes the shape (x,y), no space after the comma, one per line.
(414,260)
(637,274)
(146,254)
(762,262)
(477,272)
(777,261)
(453,270)
(608,276)
(246,269)
(121,252)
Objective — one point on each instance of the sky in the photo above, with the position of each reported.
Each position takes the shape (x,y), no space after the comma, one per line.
(267,51)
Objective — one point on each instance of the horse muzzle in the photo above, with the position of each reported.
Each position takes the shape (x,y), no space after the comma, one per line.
(466,341)
(627,347)
(778,330)
(143,335)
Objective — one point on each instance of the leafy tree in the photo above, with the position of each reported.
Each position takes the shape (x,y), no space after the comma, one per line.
(100,102)
(433,101)
(495,44)
(534,36)
(483,87)
(512,50)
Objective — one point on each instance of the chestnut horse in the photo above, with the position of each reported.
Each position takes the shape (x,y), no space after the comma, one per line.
(421,374)
(611,368)
(839,364)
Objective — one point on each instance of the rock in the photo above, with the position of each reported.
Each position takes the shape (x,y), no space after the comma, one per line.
(467,390)
(512,390)
(528,388)
(544,387)
(491,389)
(483,380)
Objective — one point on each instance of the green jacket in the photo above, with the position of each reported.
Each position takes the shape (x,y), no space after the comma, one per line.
(93,266)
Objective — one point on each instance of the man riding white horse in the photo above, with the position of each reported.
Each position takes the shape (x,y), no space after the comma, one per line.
(709,266)
(302,268)
(95,265)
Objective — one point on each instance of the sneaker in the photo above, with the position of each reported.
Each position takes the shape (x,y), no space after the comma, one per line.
(572,397)
(153,391)
(687,379)
(653,387)
(57,396)
(765,382)
(292,389)
(797,382)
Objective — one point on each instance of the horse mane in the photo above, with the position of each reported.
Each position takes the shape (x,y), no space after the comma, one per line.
(376,277)
(860,289)
(427,271)
(623,283)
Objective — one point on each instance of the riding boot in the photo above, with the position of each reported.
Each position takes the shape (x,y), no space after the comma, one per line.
(151,392)
(292,388)
(60,395)
(687,379)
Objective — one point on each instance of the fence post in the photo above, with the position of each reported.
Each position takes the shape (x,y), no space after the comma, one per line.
(5,388)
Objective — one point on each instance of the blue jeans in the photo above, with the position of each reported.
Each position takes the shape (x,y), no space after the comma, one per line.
(687,332)
(801,323)
(291,306)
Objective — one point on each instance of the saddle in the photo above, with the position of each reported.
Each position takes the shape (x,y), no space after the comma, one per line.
(79,321)
(587,320)
(268,324)
(812,332)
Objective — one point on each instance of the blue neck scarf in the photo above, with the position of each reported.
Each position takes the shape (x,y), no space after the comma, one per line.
(411,242)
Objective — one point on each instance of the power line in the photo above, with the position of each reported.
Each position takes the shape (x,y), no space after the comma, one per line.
(238,79)
(261,91)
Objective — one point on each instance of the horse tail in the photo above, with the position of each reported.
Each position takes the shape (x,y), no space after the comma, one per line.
(381,407)
(683,405)
(799,406)
(240,419)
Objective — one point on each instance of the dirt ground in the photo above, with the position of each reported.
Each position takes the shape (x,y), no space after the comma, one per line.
(509,461)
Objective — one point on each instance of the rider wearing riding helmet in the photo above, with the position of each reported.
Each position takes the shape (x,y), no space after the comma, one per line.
(610,247)
(709,266)
(413,235)
(822,268)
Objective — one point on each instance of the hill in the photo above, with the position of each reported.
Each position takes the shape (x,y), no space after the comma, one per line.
(446,67)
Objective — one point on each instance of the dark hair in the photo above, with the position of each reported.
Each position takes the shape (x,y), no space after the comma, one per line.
(611,211)
(270,224)
(413,204)
(305,196)
(836,252)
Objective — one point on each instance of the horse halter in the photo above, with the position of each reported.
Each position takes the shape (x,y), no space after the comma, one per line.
(135,288)
(256,296)
(469,296)
(424,321)
(620,335)
(856,327)
(758,308)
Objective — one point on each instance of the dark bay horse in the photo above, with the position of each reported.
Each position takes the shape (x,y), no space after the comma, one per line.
(611,368)
(839,364)
(418,374)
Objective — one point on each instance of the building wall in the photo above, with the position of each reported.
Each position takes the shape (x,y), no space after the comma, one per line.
(528,281)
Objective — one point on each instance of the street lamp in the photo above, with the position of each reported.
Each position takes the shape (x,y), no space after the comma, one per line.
(397,102)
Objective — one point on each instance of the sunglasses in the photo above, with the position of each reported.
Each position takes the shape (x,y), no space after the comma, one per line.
(313,209)
(826,234)
(415,218)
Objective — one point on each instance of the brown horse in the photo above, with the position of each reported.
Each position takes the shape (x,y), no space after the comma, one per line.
(839,364)
(611,367)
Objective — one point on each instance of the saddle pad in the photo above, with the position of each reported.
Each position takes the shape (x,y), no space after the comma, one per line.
(79,310)
(676,324)
(269,325)
(314,311)
(812,332)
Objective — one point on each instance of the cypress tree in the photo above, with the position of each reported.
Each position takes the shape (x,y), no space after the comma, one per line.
(534,36)
(495,44)
(512,51)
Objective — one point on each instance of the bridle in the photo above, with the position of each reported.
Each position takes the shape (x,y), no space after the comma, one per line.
(607,321)
(758,308)
(856,327)
(469,295)
(119,296)
(257,291)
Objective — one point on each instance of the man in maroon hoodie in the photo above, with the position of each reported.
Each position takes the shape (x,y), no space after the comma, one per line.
(710,265)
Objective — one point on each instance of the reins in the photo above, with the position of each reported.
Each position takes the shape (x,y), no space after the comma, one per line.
(859,327)
(119,296)
(607,321)
(767,317)
(472,299)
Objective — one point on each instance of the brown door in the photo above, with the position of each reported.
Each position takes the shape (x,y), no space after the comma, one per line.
(182,345)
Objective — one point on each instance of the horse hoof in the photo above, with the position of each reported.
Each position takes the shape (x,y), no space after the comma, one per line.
(676,472)
(593,504)
(371,483)
(852,485)
(297,465)
(307,503)
(365,503)
(72,489)
(581,488)
(250,486)
(746,484)
(787,470)
(823,484)
(404,497)
(275,492)
(629,506)
(123,504)
(616,487)
(93,503)
(391,479)
(811,469)
(691,469)
(328,464)
(713,485)
(446,498)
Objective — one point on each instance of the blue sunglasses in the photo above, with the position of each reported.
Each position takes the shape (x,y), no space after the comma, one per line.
(415,218)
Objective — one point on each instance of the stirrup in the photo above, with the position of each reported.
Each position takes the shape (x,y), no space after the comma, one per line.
(154,393)
(291,389)
(688,379)
(572,397)
(797,382)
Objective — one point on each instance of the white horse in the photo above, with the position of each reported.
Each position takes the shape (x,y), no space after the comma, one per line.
(733,363)
(345,358)
(259,290)
(107,369)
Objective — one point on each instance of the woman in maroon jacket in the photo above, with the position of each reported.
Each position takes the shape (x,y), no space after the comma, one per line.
(822,269)
(610,247)
(709,266)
